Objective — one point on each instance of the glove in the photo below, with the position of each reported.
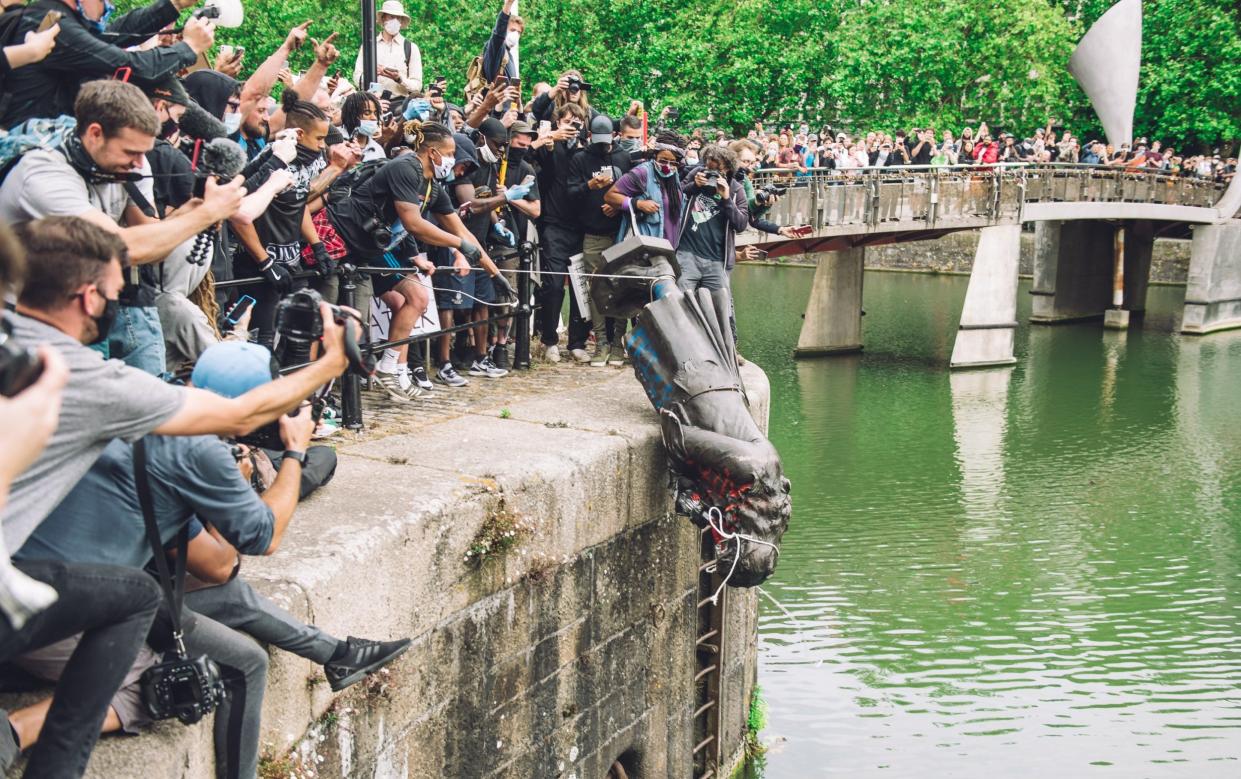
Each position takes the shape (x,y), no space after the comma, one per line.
(417,108)
(285,150)
(517,192)
(277,276)
(472,253)
(324,264)
(505,235)
(505,289)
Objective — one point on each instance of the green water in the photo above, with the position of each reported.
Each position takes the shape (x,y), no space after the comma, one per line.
(1028,572)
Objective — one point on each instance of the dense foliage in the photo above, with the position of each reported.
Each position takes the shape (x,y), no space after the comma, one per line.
(854,64)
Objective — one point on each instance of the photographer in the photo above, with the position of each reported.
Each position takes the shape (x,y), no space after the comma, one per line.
(41,603)
(573,90)
(85,52)
(101,521)
(716,210)
(95,175)
(757,203)
(70,295)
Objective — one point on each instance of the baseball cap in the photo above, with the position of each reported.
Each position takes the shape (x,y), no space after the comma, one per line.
(521,127)
(601,129)
(494,130)
(168,88)
(232,368)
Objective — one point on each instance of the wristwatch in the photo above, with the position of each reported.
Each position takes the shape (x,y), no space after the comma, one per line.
(293,454)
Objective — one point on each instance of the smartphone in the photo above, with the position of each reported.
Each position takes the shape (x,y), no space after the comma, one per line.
(49,19)
(226,51)
(514,82)
(375,88)
(239,309)
(762,254)
(545,128)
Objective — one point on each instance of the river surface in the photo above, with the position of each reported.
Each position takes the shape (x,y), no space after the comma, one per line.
(1025,572)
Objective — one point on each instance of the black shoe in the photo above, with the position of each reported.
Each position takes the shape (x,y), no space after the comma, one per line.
(361,659)
(499,356)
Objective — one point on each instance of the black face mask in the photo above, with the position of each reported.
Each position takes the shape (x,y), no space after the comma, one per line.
(515,157)
(169,128)
(306,157)
(599,149)
(104,321)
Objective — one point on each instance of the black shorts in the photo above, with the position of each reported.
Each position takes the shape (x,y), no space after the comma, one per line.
(452,292)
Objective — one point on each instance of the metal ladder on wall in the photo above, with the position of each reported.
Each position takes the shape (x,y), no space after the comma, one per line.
(709,649)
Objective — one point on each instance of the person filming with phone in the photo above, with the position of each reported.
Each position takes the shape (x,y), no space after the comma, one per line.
(398,61)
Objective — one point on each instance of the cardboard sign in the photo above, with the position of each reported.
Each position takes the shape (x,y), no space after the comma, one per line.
(381,317)
(581,285)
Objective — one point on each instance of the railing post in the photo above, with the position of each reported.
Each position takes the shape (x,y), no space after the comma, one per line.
(350,383)
(521,320)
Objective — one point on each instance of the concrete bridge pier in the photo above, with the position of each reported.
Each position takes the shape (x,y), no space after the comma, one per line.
(989,317)
(1074,269)
(833,319)
(1213,291)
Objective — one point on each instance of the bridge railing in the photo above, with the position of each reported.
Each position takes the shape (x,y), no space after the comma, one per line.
(939,196)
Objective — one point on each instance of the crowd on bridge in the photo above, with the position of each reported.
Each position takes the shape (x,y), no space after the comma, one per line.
(189,259)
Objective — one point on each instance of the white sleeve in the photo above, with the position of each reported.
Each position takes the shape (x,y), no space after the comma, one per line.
(414,66)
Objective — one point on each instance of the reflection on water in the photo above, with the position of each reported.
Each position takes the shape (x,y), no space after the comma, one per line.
(1001,573)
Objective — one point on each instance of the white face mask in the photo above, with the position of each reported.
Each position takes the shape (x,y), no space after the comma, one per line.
(392,26)
(444,169)
(487,155)
(232,122)
(512,39)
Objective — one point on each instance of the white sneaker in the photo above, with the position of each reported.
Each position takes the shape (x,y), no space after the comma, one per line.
(391,383)
(552,354)
(421,379)
(581,355)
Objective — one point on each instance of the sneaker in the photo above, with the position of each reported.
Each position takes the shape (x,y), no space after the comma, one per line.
(580,355)
(600,358)
(362,658)
(391,383)
(448,375)
(406,381)
(552,354)
(493,371)
(326,429)
(499,356)
(616,355)
(421,379)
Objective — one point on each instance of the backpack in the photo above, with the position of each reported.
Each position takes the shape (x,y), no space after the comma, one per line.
(475,80)
(352,180)
(38,133)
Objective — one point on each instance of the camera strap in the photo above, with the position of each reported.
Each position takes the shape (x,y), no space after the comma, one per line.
(173,583)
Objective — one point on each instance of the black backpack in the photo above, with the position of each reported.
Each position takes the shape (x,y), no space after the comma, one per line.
(352,180)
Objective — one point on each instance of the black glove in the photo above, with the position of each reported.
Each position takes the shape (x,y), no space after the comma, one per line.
(472,253)
(277,276)
(506,289)
(324,264)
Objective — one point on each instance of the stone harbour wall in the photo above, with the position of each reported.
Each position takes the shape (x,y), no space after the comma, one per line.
(572,648)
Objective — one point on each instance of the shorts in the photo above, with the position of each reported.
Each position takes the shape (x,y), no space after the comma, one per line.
(386,282)
(452,292)
(484,288)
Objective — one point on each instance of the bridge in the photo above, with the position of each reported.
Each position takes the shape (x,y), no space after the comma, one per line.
(1094,230)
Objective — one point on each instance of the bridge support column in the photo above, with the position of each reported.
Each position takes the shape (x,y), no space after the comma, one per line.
(1134,244)
(989,318)
(833,318)
(1072,271)
(1213,291)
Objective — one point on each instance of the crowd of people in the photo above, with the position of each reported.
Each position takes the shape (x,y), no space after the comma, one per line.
(800,149)
(150,415)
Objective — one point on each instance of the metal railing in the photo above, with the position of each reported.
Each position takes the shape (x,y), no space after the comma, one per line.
(938,196)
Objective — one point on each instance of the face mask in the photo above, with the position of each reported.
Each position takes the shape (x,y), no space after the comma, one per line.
(444,169)
(515,157)
(512,39)
(306,157)
(665,169)
(392,26)
(628,144)
(103,322)
(487,155)
(368,127)
(101,23)
(691,157)
(599,149)
(169,128)
(232,122)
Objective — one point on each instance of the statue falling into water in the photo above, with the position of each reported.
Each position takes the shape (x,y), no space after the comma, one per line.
(728,475)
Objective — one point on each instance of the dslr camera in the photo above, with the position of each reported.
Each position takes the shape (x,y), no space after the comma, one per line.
(766,194)
(299,325)
(19,367)
(183,688)
(712,177)
(575,85)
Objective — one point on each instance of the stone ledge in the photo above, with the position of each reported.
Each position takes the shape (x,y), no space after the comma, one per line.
(583,465)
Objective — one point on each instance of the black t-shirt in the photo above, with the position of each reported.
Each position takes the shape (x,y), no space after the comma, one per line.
(279,227)
(589,202)
(923,157)
(400,180)
(514,175)
(704,232)
(173,180)
(558,208)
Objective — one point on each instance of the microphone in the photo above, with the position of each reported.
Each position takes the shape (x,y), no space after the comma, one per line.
(221,158)
(198,124)
(227,13)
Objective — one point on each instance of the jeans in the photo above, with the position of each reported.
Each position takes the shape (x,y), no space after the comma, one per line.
(238,606)
(137,339)
(700,273)
(112,608)
(243,668)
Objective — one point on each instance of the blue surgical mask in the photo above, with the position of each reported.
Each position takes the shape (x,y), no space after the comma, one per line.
(101,23)
(368,127)
(232,122)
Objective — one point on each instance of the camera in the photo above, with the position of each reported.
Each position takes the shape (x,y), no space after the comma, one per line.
(575,85)
(764,195)
(186,689)
(712,177)
(299,325)
(19,367)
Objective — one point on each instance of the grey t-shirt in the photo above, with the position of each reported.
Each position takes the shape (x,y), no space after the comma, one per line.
(100,520)
(104,399)
(44,184)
